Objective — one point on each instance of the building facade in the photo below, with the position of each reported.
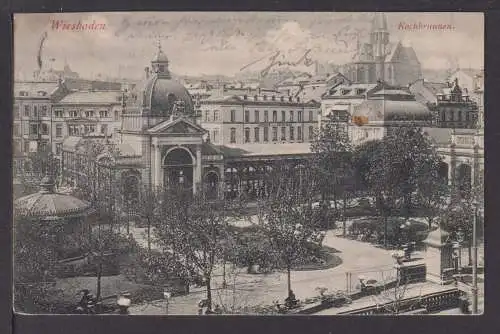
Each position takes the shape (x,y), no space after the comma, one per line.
(86,112)
(452,106)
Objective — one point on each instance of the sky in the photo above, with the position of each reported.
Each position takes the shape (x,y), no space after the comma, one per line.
(212,43)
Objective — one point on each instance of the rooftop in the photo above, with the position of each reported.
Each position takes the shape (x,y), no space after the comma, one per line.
(93,97)
(251,150)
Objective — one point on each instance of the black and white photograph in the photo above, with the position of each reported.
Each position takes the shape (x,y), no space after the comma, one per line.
(248,163)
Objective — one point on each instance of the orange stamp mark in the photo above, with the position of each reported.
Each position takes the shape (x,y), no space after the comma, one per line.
(360,120)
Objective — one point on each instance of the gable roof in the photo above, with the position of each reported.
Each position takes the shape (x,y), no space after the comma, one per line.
(177,126)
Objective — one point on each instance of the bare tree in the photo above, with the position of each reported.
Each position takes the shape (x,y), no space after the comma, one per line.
(290,221)
(194,229)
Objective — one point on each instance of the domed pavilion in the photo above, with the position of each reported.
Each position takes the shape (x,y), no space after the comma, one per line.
(65,212)
(386,109)
(161,130)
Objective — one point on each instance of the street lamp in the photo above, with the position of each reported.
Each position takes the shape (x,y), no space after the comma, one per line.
(166,296)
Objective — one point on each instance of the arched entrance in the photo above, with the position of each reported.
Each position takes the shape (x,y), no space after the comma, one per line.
(211,181)
(178,169)
(443,171)
(464,178)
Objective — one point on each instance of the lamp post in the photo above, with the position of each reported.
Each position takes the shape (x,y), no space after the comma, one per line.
(166,296)
(474,259)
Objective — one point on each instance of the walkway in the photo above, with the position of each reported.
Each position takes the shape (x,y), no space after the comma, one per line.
(264,289)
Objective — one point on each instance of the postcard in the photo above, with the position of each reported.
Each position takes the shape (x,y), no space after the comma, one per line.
(248,163)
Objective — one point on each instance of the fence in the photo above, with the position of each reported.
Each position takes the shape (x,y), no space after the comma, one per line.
(432,302)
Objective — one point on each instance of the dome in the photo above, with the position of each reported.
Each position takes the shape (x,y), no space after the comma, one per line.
(389,110)
(161,94)
(49,205)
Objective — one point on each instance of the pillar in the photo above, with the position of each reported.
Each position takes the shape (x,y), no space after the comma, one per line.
(197,171)
(157,168)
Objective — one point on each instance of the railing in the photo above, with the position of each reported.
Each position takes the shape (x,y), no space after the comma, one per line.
(432,302)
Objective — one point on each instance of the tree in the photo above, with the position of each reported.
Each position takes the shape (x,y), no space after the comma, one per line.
(332,163)
(459,219)
(35,259)
(36,166)
(432,189)
(193,229)
(399,168)
(289,220)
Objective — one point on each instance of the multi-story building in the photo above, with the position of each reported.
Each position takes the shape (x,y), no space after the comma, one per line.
(258,119)
(451,104)
(86,112)
(224,147)
(339,101)
(32,124)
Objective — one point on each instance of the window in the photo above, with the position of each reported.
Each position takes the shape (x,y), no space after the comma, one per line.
(283,116)
(247,135)
(257,134)
(275,116)
(233,115)
(45,129)
(35,111)
(73,113)
(216,115)
(16,111)
(292,135)
(233,133)
(58,148)
(311,118)
(59,130)
(43,146)
(104,129)
(299,115)
(247,116)
(33,129)
(299,133)
(215,136)
(266,134)
(311,132)
(58,113)
(26,146)
(256,115)
(266,116)
(89,113)
(17,129)
(207,116)
(275,133)
(291,115)
(27,111)
(283,133)
(117,114)
(44,111)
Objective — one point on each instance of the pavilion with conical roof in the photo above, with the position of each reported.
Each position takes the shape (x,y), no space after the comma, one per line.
(65,212)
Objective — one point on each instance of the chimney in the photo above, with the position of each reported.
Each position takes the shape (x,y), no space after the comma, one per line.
(146,71)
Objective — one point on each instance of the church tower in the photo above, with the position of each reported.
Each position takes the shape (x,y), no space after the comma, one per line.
(379,39)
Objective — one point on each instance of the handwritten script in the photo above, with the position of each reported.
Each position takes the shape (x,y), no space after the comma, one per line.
(273,62)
